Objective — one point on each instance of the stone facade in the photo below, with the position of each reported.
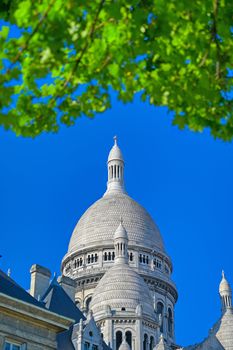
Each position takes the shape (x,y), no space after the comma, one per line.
(25,324)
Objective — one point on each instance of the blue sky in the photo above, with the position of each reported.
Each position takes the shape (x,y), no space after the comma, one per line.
(182,178)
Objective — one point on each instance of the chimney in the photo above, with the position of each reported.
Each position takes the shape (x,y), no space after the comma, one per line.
(68,284)
(40,278)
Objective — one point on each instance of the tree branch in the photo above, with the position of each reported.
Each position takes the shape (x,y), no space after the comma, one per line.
(23,48)
(215,37)
(83,51)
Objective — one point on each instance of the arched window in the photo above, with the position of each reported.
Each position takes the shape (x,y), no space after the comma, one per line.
(92,258)
(109,256)
(131,256)
(147,260)
(96,257)
(160,308)
(81,261)
(88,303)
(128,336)
(169,322)
(118,339)
(88,259)
(105,256)
(113,255)
(152,343)
(145,342)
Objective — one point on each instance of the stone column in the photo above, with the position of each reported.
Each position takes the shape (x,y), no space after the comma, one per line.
(101,258)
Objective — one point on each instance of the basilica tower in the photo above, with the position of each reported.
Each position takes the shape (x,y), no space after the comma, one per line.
(92,252)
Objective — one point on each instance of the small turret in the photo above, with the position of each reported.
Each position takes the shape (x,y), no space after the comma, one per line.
(115,170)
(121,244)
(225,294)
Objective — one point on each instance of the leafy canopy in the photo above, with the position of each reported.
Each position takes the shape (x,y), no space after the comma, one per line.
(60,60)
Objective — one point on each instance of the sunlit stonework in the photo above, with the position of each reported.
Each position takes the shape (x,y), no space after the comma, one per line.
(133,297)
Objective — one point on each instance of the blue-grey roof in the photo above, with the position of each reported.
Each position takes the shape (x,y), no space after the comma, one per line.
(58,301)
(64,340)
(9,287)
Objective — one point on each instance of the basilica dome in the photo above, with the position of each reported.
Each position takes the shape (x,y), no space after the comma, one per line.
(225,331)
(98,224)
(122,289)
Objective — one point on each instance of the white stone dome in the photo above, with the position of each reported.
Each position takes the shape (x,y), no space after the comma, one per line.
(97,225)
(224,286)
(115,153)
(225,331)
(122,289)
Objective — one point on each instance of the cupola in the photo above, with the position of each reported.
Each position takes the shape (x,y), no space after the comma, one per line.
(115,170)
(225,294)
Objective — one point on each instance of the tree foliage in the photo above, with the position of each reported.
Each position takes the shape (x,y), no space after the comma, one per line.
(67,57)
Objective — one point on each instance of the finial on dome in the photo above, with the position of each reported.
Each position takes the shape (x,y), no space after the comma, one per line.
(120,232)
(121,244)
(115,170)
(225,293)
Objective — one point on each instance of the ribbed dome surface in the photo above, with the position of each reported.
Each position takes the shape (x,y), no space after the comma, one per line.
(98,224)
(122,287)
(224,286)
(225,331)
(115,154)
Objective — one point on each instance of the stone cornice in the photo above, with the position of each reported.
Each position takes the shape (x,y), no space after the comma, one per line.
(162,286)
(33,314)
